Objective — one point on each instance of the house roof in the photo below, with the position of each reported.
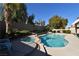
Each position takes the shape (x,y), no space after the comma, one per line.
(75,22)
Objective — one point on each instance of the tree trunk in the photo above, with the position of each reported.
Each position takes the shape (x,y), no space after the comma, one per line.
(8,21)
(6,26)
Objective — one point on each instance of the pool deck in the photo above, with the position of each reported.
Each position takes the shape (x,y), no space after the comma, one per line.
(37,40)
(71,49)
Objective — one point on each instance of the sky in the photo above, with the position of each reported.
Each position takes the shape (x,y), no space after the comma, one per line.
(45,11)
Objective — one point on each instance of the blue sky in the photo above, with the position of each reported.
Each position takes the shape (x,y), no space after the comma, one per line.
(46,11)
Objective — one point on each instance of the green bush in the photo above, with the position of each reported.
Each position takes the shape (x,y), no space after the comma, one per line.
(67,31)
(23,32)
(39,32)
(64,31)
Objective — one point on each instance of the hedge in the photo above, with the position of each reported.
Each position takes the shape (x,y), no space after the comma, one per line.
(67,31)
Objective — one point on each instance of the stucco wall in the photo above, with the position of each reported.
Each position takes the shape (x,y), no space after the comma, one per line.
(78,31)
(72,30)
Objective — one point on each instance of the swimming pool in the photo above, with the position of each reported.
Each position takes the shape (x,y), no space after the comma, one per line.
(53,40)
(28,39)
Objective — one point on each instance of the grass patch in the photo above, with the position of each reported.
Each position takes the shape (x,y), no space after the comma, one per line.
(23,32)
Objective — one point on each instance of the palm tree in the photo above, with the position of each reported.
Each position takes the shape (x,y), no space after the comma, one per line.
(14,12)
(7,16)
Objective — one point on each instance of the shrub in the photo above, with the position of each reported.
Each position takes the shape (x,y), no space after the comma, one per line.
(54,31)
(58,31)
(64,31)
(47,28)
(39,32)
(67,31)
(23,32)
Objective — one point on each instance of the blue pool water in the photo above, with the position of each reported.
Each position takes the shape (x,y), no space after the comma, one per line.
(28,39)
(53,40)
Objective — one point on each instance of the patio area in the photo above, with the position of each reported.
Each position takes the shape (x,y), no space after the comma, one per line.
(24,49)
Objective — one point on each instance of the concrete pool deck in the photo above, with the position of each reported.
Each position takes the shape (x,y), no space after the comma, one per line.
(71,49)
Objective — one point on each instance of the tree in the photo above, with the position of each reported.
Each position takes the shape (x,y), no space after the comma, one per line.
(14,12)
(31,19)
(57,22)
(47,28)
(40,23)
(7,16)
(19,12)
(64,23)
